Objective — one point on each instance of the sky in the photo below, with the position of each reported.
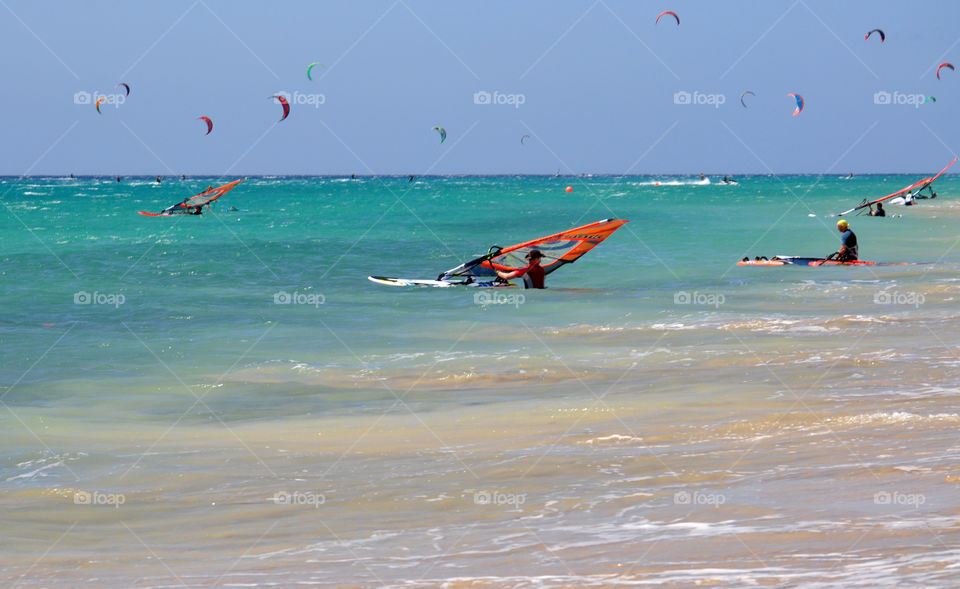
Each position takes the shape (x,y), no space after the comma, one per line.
(598,86)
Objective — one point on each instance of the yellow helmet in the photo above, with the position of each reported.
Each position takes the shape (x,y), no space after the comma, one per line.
(842,224)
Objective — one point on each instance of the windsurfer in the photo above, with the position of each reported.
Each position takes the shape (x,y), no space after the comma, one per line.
(879,212)
(532,273)
(848,243)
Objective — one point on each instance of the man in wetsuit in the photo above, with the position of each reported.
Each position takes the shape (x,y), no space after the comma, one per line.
(532,273)
(848,243)
(879,212)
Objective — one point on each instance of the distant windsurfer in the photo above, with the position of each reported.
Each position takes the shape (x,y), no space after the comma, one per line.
(879,212)
(848,244)
(158,180)
(532,273)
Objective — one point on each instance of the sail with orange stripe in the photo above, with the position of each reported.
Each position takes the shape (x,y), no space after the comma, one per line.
(558,249)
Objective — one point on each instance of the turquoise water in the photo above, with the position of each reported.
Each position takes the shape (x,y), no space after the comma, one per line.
(653,366)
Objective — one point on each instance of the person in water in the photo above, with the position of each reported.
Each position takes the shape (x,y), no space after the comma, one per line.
(532,273)
(196,210)
(879,212)
(848,243)
(158,180)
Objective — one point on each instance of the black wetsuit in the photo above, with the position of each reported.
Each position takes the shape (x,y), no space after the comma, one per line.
(848,239)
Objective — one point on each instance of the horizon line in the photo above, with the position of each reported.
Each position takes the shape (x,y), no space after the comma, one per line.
(458,175)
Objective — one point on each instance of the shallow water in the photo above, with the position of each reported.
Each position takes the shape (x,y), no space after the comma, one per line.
(658,415)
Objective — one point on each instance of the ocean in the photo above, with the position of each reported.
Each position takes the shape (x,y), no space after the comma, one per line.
(227,400)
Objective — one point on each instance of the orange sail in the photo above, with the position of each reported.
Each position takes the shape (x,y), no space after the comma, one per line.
(916,186)
(558,249)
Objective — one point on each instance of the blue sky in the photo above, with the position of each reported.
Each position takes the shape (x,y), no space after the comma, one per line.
(597,81)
